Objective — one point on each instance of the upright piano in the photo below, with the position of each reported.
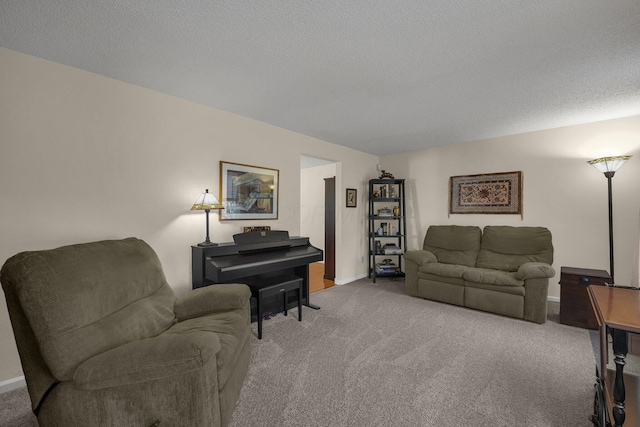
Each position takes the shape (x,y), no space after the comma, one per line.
(254,256)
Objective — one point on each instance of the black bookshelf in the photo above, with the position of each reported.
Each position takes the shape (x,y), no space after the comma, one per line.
(387,228)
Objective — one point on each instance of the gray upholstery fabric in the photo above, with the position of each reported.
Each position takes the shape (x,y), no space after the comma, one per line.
(492,277)
(420,257)
(230,328)
(446,270)
(441,291)
(533,270)
(515,290)
(79,306)
(201,301)
(504,303)
(100,343)
(443,279)
(454,244)
(507,248)
(149,359)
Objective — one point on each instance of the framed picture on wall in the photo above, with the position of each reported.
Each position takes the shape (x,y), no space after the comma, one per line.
(492,193)
(248,192)
(352,197)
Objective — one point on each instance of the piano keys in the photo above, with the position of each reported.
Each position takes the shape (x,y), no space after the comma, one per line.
(254,256)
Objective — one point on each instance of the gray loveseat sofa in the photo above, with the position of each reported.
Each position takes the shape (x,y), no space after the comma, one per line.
(500,269)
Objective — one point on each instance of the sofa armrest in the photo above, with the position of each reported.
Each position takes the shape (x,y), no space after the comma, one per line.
(420,257)
(201,301)
(147,360)
(535,270)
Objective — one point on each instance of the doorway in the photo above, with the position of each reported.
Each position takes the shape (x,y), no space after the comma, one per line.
(315,175)
(330,228)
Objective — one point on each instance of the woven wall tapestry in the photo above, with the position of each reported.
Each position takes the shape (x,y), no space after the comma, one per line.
(493,193)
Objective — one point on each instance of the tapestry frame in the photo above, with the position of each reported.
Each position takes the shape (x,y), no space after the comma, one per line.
(472,194)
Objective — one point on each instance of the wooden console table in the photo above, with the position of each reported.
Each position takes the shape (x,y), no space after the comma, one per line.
(618,310)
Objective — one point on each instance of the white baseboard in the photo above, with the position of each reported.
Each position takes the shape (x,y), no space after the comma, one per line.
(353,279)
(8,385)
(553,299)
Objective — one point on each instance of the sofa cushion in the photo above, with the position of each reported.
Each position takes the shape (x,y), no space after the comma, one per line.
(492,277)
(454,244)
(445,270)
(507,248)
(459,281)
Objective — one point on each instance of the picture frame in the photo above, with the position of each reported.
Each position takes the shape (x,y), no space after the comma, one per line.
(248,192)
(494,193)
(352,198)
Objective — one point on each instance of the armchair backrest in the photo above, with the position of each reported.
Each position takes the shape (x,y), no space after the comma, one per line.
(507,248)
(453,244)
(74,302)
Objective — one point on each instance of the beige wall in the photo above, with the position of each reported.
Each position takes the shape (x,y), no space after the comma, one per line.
(561,191)
(84,157)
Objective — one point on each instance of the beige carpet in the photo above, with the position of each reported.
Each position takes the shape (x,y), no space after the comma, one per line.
(373,356)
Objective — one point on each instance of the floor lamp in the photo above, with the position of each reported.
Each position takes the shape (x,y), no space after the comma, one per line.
(609,166)
(206,202)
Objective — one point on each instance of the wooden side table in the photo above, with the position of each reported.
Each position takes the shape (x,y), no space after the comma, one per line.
(617,393)
(575,308)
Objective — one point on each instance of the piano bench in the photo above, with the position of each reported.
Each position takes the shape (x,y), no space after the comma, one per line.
(271,286)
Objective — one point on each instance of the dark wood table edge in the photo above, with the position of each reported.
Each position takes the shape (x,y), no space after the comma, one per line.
(615,392)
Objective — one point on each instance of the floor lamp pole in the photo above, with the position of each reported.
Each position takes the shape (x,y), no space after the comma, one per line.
(609,175)
(609,166)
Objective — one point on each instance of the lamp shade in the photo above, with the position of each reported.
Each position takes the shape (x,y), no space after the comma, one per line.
(609,164)
(206,201)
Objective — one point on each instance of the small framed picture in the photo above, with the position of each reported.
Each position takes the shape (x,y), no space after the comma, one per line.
(352,197)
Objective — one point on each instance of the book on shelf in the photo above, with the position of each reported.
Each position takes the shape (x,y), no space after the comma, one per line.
(392,249)
(386,268)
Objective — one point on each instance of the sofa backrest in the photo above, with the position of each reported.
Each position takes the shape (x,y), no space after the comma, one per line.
(507,248)
(454,244)
(82,300)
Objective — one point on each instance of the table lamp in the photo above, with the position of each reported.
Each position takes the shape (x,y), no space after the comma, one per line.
(206,202)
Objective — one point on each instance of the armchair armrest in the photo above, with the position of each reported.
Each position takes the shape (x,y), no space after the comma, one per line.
(420,257)
(201,301)
(534,270)
(150,359)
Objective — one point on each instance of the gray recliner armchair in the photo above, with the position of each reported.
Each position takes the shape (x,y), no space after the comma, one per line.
(103,340)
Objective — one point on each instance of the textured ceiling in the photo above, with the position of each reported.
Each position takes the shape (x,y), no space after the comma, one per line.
(380,76)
